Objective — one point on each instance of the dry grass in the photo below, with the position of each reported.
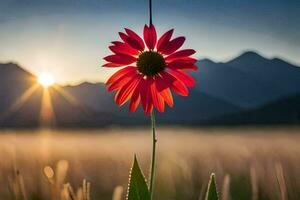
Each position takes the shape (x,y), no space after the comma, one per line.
(254,164)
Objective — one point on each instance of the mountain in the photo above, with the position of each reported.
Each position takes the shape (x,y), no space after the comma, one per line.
(88,105)
(249,89)
(277,72)
(14,78)
(15,87)
(198,106)
(283,111)
(249,80)
(23,101)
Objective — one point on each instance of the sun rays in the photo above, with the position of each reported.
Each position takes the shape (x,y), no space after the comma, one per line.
(20,101)
(47,115)
(43,88)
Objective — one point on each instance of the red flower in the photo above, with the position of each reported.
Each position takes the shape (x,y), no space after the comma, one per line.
(152,69)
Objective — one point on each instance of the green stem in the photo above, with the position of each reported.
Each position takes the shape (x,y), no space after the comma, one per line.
(154,141)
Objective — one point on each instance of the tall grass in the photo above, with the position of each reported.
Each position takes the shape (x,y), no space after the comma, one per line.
(254,164)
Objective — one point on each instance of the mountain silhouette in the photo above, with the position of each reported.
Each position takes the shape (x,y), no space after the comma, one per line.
(14,82)
(88,105)
(99,100)
(22,97)
(276,72)
(249,89)
(249,80)
(283,111)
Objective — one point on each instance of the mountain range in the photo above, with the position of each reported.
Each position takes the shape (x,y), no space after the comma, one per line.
(249,89)
(249,80)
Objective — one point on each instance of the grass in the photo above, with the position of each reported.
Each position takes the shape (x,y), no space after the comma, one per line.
(254,164)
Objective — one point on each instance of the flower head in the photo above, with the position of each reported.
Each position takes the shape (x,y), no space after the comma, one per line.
(151,69)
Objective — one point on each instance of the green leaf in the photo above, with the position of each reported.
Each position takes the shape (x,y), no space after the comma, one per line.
(212,193)
(137,188)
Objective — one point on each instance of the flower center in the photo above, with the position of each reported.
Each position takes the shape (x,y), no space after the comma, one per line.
(150,63)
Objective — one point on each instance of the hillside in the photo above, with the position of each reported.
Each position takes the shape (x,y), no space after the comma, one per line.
(248,80)
(89,105)
(283,111)
(249,89)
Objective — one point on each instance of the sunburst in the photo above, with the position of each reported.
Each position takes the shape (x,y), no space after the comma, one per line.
(44,83)
(46,80)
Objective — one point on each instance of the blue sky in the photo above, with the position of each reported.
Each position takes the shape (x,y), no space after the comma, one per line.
(68,38)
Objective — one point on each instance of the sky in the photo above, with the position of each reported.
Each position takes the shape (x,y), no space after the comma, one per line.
(69,38)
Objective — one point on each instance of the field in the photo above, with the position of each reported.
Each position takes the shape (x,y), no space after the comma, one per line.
(250,163)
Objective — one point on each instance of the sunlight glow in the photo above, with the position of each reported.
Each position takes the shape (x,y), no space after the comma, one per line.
(46,80)
(47,115)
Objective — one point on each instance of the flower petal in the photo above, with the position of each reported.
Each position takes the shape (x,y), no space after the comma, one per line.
(120,59)
(123,48)
(163,88)
(135,98)
(181,53)
(119,74)
(122,80)
(164,40)
(125,92)
(167,95)
(173,45)
(135,40)
(193,68)
(157,99)
(112,65)
(184,63)
(187,79)
(187,67)
(131,42)
(146,96)
(176,84)
(150,36)
(123,36)
(134,44)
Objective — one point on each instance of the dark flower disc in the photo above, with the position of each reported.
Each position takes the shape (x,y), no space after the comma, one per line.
(150,63)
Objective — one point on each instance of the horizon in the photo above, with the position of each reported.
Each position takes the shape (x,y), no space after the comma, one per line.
(69,39)
(79,82)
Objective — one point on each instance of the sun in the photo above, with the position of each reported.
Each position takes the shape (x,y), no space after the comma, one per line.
(46,80)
